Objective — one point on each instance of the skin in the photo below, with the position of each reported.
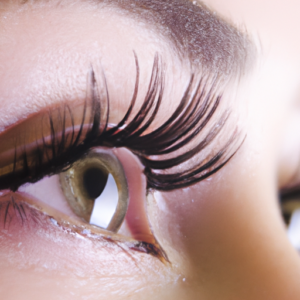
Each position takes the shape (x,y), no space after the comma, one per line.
(224,236)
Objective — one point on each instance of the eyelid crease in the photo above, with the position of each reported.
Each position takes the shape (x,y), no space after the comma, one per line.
(196,108)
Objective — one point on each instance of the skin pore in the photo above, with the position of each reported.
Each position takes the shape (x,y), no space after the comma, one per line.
(224,236)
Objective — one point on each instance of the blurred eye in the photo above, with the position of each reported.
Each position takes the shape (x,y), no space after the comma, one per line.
(96,189)
(290,208)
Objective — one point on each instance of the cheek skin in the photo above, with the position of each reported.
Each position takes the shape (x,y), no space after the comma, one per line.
(45,257)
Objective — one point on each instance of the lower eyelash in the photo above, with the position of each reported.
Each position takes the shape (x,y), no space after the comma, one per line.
(18,213)
(15,211)
(198,105)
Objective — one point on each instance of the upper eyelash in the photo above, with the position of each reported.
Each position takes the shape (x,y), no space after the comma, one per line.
(193,113)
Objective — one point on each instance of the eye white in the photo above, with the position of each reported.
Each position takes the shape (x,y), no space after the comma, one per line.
(293,230)
(106,204)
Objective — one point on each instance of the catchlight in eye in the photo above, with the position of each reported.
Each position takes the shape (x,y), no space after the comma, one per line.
(96,189)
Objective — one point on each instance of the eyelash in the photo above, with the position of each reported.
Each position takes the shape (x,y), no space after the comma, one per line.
(192,115)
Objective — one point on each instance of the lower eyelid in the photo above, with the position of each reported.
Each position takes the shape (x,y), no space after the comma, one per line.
(30,235)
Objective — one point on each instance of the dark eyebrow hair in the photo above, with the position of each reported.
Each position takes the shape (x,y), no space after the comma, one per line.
(210,42)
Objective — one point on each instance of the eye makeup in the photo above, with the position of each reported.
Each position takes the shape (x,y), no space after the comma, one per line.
(49,142)
(53,141)
(22,217)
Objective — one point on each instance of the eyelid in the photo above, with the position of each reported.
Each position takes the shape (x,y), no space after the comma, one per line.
(65,150)
(21,217)
(36,131)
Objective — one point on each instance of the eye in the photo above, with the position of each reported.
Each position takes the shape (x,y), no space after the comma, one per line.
(74,150)
(290,209)
(104,189)
(96,189)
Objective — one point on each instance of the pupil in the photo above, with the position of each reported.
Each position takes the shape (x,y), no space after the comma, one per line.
(94,181)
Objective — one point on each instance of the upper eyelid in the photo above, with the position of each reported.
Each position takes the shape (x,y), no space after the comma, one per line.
(14,209)
(198,105)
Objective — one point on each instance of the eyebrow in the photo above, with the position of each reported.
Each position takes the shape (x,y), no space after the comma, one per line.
(197,33)
(210,43)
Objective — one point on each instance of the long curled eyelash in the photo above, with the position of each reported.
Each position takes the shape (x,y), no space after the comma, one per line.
(196,108)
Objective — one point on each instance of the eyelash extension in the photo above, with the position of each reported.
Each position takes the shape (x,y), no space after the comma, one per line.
(196,108)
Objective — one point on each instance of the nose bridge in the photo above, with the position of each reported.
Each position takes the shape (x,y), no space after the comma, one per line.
(238,246)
